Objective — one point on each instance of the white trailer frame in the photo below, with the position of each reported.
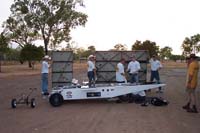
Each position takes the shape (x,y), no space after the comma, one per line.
(76,92)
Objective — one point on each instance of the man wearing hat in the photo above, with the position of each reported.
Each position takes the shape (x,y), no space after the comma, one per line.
(91,71)
(44,72)
(191,84)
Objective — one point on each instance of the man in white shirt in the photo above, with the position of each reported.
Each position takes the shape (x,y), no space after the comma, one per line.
(133,69)
(120,74)
(91,71)
(155,67)
(44,72)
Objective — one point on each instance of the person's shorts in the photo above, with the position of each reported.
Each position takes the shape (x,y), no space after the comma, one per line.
(188,90)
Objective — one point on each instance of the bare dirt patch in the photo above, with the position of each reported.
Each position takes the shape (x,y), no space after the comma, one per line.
(93,116)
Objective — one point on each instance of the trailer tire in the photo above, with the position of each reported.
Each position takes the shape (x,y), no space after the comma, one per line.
(56,99)
(14,103)
(33,103)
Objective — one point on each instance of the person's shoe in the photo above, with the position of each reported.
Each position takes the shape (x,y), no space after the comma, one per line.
(46,93)
(187,106)
(192,110)
(145,104)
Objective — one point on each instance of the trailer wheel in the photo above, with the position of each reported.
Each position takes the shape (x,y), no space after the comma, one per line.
(14,103)
(33,103)
(56,99)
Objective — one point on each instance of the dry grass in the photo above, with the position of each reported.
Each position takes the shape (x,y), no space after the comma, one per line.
(18,69)
(172,64)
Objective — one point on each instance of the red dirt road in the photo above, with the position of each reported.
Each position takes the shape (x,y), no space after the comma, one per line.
(96,116)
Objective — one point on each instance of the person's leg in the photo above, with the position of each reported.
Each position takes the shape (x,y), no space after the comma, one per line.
(92,79)
(152,76)
(193,101)
(187,106)
(132,78)
(157,77)
(192,108)
(43,82)
(46,83)
(137,78)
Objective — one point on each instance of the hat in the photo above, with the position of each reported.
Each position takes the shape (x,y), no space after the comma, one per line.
(91,56)
(193,56)
(47,57)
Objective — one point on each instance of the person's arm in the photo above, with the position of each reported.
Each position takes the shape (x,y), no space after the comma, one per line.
(95,72)
(120,70)
(128,68)
(160,65)
(49,64)
(138,67)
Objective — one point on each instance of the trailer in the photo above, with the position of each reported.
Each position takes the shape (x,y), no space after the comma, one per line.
(100,91)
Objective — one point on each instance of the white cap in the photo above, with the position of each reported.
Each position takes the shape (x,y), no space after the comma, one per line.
(91,56)
(47,57)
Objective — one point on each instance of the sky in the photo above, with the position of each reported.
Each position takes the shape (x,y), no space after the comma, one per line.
(166,22)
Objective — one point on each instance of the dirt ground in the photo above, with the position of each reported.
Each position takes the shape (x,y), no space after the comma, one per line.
(94,116)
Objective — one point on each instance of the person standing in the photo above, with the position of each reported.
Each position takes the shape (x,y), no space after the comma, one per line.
(191,84)
(120,74)
(44,72)
(155,67)
(133,69)
(91,71)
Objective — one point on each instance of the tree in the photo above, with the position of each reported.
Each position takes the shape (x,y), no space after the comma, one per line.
(79,52)
(166,52)
(31,53)
(83,53)
(191,45)
(92,49)
(13,54)
(17,29)
(177,57)
(3,44)
(120,47)
(48,20)
(146,45)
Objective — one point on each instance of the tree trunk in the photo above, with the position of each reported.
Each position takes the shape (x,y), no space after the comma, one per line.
(46,49)
(46,46)
(29,64)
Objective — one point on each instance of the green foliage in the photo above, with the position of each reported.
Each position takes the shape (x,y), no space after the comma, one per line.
(3,44)
(82,53)
(177,57)
(146,45)
(120,47)
(12,54)
(166,52)
(31,53)
(48,20)
(191,45)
